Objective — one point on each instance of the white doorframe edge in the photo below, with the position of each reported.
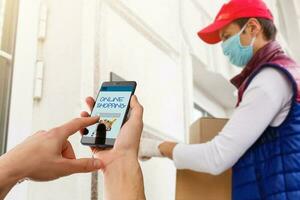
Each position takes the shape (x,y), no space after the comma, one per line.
(21,105)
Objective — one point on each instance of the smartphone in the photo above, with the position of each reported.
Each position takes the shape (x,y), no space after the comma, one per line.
(112,106)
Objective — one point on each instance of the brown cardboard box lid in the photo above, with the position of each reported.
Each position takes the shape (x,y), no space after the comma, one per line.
(205,129)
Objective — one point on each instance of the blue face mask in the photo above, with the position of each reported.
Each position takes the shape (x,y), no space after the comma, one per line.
(238,54)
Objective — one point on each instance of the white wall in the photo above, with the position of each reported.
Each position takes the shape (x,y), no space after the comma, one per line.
(61,100)
(61,89)
(126,50)
(20,121)
(159,78)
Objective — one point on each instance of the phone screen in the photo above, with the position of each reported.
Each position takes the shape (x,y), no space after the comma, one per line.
(111,105)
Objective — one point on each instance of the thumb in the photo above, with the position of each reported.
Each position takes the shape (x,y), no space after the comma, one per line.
(82,165)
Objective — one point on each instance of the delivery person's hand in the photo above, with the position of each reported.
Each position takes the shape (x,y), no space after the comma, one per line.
(155,148)
(149,148)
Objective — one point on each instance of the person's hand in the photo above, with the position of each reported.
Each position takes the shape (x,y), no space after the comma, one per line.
(48,155)
(149,148)
(166,149)
(127,142)
(122,174)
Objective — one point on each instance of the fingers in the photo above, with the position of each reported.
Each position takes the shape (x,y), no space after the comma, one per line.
(90,102)
(136,109)
(84,130)
(84,114)
(76,124)
(67,151)
(82,165)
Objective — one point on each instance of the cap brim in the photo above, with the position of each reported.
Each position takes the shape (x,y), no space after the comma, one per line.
(210,34)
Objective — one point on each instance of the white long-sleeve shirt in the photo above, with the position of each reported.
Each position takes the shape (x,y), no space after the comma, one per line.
(266,101)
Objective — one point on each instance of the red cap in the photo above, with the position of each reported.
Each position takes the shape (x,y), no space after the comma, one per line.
(231,11)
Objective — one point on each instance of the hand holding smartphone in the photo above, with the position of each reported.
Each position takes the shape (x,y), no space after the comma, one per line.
(112,105)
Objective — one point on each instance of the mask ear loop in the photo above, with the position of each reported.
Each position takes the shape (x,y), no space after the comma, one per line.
(252,41)
(244,27)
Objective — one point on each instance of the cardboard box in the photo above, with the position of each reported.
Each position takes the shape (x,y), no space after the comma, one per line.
(205,129)
(197,186)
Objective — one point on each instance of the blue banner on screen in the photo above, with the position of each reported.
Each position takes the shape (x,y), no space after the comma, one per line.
(111,106)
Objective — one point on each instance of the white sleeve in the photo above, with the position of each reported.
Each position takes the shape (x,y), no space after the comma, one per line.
(265,97)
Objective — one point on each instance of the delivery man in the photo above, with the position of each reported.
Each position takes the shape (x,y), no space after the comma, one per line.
(261,141)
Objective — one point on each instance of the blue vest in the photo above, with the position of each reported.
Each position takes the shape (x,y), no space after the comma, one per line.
(270,169)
